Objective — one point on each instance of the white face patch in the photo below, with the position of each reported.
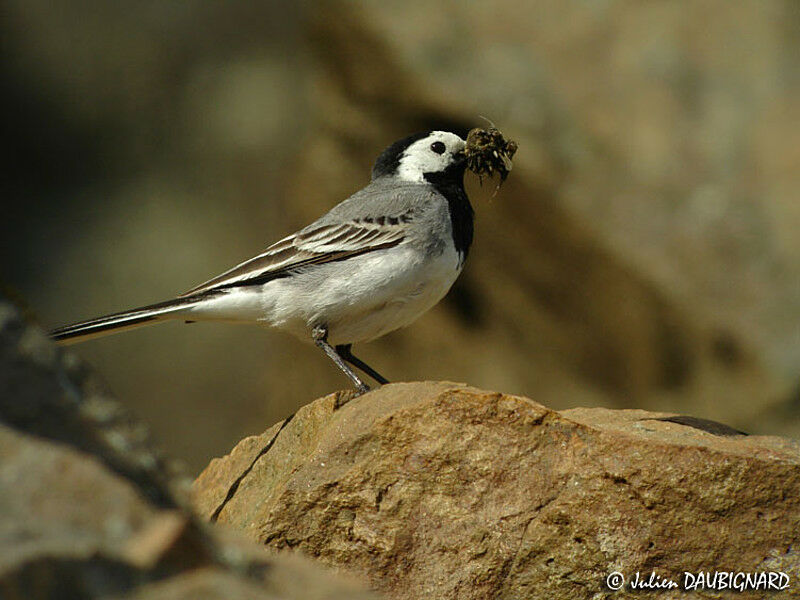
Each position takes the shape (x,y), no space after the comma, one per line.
(422,157)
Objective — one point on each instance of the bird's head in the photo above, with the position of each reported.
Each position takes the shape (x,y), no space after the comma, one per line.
(423,157)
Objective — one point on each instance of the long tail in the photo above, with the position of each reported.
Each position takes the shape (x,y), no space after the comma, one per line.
(121,321)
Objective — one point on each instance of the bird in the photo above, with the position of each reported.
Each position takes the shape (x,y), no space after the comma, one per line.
(372,264)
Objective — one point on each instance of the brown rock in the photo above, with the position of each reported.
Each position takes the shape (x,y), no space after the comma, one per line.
(436,490)
(89,509)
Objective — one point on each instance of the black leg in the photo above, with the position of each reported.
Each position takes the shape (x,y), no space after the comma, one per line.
(320,335)
(346,353)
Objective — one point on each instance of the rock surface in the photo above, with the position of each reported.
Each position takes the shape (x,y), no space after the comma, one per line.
(437,490)
(89,509)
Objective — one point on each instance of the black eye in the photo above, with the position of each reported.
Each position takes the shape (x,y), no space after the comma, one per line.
(438,147)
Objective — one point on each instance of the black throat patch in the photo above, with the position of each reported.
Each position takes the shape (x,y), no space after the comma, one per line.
(450,184)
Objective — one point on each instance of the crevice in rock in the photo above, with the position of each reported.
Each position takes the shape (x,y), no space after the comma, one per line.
(382,491)
(712,427)
(246,472)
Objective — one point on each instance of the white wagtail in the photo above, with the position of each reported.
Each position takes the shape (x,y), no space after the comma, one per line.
(373,264)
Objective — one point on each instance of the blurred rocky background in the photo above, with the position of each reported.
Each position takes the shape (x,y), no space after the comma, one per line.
(89,508)
(643,253)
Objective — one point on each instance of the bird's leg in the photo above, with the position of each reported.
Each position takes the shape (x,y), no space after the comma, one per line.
(346,353)
(320,335)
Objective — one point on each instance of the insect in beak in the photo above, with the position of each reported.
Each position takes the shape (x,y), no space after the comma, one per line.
(487,152)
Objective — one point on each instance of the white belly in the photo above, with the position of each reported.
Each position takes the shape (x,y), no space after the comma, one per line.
(396,304)
(376,293)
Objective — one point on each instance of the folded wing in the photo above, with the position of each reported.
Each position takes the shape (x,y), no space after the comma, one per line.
(313,245)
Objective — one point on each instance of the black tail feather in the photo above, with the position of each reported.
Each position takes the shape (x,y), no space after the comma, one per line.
(120,321)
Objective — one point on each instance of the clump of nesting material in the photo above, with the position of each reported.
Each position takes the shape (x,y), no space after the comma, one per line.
(488,152)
